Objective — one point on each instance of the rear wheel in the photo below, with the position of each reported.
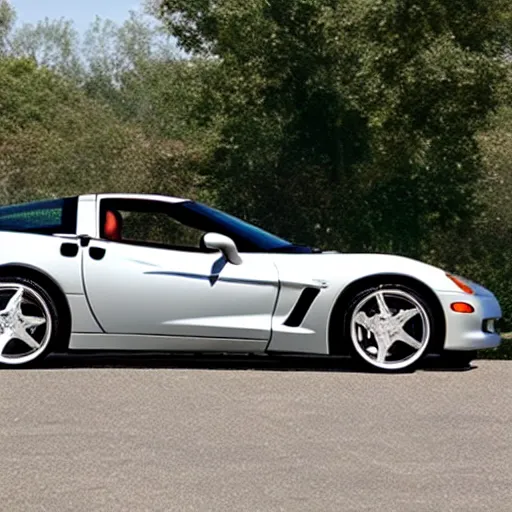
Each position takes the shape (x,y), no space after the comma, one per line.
(390,327)
(29,321)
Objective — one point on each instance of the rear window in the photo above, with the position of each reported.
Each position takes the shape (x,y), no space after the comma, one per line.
(45,217)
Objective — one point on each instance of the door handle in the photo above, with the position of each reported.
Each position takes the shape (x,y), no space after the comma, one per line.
(97,253)
(69,250)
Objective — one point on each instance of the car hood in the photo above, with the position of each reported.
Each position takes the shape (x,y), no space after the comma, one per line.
(330,268)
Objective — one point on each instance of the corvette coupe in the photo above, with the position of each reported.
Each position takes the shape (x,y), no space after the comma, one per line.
(134,272)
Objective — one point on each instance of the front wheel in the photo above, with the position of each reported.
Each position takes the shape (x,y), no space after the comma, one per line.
(28,321)
(390,327)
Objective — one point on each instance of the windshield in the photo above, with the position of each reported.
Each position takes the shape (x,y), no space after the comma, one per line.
(238,229)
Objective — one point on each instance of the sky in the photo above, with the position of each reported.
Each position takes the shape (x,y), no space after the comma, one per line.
(82,12)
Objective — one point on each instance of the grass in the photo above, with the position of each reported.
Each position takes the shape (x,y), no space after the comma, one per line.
(504,351)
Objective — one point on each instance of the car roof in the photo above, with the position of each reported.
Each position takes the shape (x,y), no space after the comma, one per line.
(147,197)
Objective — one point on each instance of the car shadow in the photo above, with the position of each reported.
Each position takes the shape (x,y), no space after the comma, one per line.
(225,362)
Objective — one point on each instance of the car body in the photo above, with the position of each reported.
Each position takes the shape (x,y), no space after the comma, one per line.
(139,272)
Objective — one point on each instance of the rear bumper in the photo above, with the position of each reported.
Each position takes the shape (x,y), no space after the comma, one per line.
(465,331)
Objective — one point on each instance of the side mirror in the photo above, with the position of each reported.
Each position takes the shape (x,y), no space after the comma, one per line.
(225,245)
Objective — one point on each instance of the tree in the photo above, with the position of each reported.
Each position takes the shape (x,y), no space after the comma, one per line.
(7,19)
(111,51)
(103,115)
(354,121)
(108,61)
(56,141)
(50,43)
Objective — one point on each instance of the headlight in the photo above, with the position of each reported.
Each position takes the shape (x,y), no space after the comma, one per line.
(459,281)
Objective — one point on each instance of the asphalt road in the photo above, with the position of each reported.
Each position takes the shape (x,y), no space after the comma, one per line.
(136,435)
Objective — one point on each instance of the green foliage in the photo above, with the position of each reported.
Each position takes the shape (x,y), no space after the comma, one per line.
(99,115)
(366,108)
(111,52)
(51,43)
(134,68)
(29,94)
(504,351)
(55,141)
(7,19)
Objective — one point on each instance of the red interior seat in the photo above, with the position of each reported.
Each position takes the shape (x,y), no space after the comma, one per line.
(113,226)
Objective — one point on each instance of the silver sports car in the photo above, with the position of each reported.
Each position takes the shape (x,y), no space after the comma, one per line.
(130,272)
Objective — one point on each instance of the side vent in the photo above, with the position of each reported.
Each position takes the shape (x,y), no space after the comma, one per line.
(298,313)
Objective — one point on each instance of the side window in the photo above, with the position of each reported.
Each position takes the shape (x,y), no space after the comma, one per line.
(147,223)
(46,217)
(159,228)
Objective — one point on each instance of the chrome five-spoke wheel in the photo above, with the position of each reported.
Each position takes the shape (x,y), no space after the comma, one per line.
(390,327)
(26,321)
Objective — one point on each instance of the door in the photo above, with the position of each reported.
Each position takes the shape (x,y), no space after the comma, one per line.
(136,288)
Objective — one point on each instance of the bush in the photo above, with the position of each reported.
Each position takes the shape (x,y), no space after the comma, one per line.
(504,351)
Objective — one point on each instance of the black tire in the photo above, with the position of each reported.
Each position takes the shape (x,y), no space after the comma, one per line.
(34,298)
(366,351)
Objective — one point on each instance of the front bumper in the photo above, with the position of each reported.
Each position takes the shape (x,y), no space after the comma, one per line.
(465,331)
